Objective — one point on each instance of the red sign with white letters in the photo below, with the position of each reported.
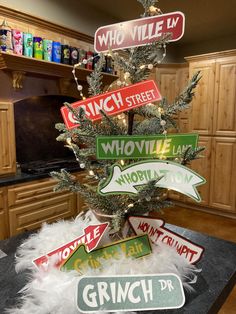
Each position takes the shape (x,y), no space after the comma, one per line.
(158,234)
(91,237)
(114,102)
(139,32)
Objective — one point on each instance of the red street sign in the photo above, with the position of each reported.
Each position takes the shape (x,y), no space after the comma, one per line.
(158,234)
(91,237)
(139,32)
(114,102)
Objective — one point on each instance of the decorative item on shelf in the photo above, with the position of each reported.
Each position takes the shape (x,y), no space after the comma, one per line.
(96,57)
(65,54)
(89,64)
(47,49)
(17,39)
(74,55)
(56,52)
(109,65)
(28,45)
(5,37)
(82,57)
(38,48)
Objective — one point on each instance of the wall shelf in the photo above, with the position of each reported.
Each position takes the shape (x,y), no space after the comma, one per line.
(21,65)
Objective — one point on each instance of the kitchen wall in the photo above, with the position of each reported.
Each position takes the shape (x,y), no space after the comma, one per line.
(77,15)
(73,14)
(213,45)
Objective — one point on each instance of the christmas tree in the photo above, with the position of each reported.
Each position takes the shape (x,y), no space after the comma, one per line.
(135,65)
(128,157)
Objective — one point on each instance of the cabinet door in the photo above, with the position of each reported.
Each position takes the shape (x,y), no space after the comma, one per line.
(201,113)
(166,80)
(3,214)
(203,167)
(33,203)
(225,97)
(223,177)
(7,139)
(181,83)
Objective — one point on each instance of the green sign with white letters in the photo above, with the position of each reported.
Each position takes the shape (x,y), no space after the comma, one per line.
(134,247)
(129,293)
(148,146)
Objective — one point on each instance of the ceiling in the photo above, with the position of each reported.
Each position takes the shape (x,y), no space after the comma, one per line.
(205,19)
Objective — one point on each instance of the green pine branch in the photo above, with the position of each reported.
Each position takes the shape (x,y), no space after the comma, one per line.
(95,78)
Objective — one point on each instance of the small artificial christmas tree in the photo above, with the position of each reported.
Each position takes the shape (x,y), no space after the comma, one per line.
(136,64)
(53,286)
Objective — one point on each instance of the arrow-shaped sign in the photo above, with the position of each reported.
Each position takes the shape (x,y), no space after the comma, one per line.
(159,234)
(91,237)
(172,176)
(81,260)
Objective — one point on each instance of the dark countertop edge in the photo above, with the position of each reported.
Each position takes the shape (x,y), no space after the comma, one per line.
(26,177)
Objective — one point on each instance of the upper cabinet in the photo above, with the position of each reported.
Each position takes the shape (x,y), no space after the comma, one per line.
(201,112)
(171,80)
(214,105)
(225,97)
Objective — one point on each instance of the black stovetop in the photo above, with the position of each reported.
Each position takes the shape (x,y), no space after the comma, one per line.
(45,166)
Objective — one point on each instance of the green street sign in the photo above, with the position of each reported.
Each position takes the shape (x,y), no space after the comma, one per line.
(81,260)
(129,293)
(148,146)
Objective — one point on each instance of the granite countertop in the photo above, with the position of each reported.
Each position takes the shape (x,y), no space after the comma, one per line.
(216,280)
(26,177)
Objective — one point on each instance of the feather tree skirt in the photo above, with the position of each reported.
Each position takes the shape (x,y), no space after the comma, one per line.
(54,291)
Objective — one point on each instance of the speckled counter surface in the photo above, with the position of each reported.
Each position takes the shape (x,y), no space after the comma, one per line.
(27,177)
(214,283)
(21,178)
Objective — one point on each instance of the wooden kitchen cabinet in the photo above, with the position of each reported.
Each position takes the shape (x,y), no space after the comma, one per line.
(214,114)
(166,76)
(7,139)
(171,80)
(225,97)
(3,214)
(203,167)
(201,111)
(223,174)
(31,204)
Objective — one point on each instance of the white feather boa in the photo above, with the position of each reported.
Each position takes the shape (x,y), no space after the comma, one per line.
(53,292)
